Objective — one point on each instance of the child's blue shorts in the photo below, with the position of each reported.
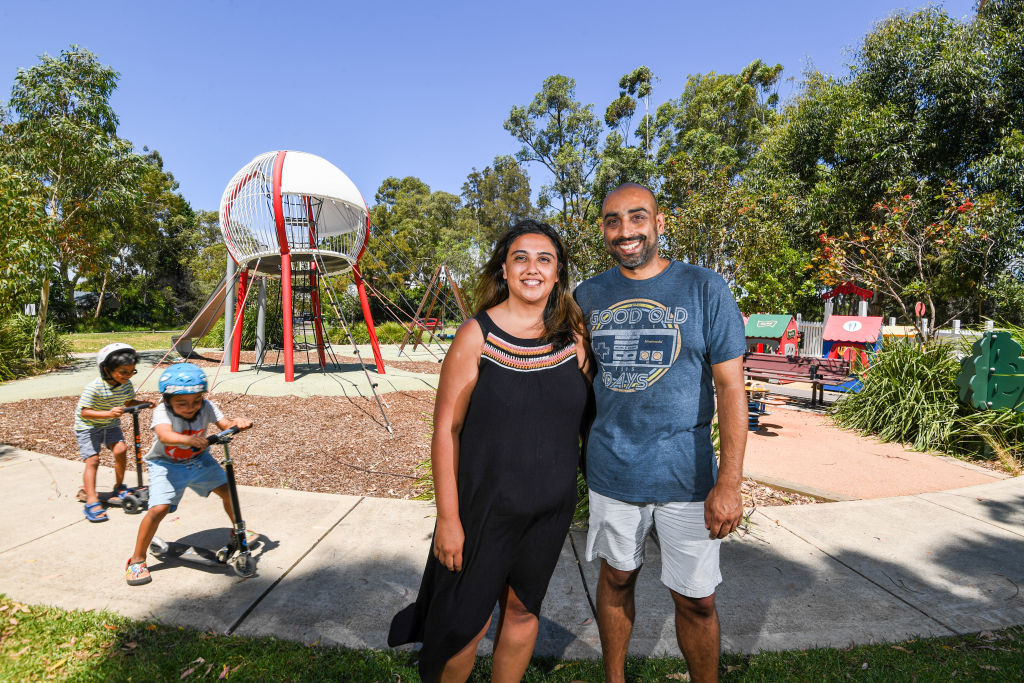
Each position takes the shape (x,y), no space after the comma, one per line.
(92,441)
(168,479)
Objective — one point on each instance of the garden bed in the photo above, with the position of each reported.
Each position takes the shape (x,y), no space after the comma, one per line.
(326,444)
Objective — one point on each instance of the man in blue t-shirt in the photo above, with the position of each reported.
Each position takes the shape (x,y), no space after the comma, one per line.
(668,338)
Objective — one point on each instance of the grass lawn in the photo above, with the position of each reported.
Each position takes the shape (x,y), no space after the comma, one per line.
(46,643)
(90,342)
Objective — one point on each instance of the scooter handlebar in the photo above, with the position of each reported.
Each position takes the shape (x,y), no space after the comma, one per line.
(222,436)
(136,408)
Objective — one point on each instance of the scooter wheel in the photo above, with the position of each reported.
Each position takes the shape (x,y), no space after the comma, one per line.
(244,566)
(131,504)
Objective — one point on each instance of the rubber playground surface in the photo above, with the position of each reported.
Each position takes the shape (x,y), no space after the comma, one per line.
(918,545)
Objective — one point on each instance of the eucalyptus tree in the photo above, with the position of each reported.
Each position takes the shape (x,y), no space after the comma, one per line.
(562,134)
(929,100)
(63,136)
(497,197)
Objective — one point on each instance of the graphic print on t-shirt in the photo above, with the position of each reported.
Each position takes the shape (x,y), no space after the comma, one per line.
(636,341)
(183,452)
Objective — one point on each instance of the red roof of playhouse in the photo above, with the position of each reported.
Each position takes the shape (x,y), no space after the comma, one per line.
(848,288)
(853,328)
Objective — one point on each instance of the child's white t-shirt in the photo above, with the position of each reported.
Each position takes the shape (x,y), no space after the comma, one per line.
(207,415)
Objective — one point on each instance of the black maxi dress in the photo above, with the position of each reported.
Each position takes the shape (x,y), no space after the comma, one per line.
(518,453)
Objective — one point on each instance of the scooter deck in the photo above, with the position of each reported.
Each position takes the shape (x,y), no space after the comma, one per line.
(107,498)
(188,553)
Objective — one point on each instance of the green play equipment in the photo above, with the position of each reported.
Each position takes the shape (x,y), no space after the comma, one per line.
(992,378)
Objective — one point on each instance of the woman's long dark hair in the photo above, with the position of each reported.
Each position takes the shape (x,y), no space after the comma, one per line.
(563,319)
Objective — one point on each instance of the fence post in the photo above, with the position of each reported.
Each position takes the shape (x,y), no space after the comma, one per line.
(862,307)
(988,325)
(924,329)
(828,310)
(892,321)
(956,328)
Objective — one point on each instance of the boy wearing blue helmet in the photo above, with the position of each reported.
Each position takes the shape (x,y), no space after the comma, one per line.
(179,458)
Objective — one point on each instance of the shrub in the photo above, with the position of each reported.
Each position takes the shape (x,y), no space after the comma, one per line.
(387,333)
(16,347)
(910,396)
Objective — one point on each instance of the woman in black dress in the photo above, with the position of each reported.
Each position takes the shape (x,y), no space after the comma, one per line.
(507,422)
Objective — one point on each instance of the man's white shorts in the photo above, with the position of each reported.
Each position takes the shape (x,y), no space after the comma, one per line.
(689,558)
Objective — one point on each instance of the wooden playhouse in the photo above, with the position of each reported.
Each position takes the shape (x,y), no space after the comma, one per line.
(772,334)
(856,338)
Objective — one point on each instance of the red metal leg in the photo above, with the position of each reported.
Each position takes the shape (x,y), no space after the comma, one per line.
(369,319)
(236,333)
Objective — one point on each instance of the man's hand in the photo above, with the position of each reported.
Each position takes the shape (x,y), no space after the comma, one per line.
(117,412)
(449,539)
(723,510)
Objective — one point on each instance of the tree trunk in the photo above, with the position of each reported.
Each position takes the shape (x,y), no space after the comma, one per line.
(44,300)
(103,289)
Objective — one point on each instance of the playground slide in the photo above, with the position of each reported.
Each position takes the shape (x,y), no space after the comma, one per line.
(209,314)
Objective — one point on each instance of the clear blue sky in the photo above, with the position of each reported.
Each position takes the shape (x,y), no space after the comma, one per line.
(401,88)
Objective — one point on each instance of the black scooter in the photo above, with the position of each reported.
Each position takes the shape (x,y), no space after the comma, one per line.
(134,500)
(237,551)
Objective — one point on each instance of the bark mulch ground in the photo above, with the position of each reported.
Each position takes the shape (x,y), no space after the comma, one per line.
(330,444)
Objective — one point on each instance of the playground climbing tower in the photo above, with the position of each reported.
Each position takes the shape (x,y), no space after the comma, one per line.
(296,217)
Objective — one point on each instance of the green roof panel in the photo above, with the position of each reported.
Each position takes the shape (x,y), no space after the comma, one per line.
(767,326)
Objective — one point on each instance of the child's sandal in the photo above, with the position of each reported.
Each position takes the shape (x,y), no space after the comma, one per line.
(136,573)
(94,512)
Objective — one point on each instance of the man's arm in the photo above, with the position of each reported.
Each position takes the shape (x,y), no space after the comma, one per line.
(723,508)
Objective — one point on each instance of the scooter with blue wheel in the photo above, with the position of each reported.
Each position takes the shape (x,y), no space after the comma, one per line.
(237,552)
(131,500)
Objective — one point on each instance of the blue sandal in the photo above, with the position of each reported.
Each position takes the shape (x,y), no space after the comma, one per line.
(94,512)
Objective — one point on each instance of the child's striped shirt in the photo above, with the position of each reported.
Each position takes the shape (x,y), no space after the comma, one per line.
(99,395)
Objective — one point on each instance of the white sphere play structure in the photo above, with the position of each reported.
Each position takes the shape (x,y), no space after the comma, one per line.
(297,217)
(297,203)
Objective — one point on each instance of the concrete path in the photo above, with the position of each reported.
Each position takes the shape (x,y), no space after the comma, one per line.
(333,569)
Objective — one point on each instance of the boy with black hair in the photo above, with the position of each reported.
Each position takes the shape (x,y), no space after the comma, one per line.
(98,422)
(180,458)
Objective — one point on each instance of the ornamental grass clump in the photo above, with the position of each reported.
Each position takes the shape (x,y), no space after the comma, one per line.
(910,396)
(16,347)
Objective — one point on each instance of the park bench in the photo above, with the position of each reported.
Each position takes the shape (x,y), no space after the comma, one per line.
(767,367)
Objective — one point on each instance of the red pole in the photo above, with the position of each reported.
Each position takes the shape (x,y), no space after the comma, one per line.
(369,319)
(236,333)
(286,271)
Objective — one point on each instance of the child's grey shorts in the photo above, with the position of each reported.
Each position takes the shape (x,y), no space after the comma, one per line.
(689,558)
(92,441)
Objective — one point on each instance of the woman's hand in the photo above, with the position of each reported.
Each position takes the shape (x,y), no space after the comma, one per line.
(449,539)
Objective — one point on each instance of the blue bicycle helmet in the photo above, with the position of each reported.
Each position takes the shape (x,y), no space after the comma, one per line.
(182,378)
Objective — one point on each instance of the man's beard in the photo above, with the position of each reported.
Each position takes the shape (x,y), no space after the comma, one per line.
(633,261)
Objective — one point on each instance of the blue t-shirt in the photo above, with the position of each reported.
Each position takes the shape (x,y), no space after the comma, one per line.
(655,341)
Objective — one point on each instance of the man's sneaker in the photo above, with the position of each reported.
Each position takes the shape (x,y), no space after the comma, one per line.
(136,573)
